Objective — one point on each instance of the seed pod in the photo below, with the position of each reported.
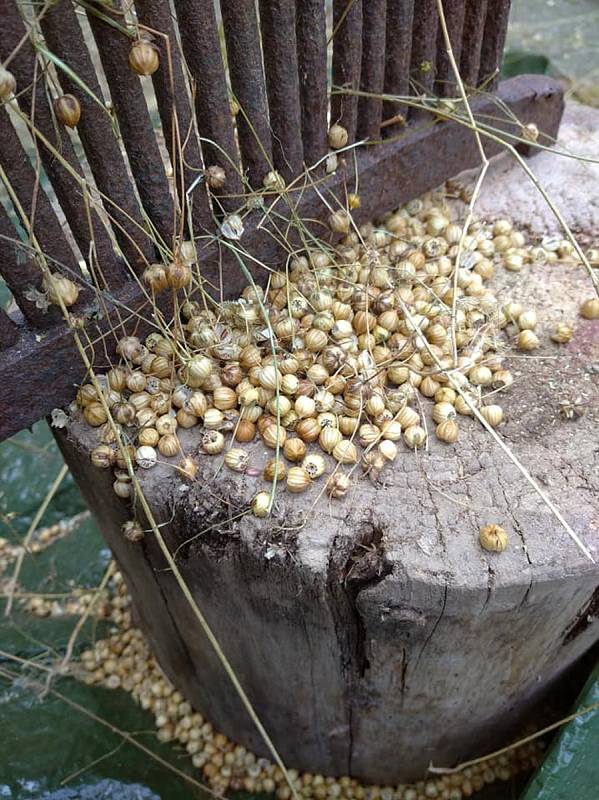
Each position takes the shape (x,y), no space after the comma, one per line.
(224,398)
(305,407)
(273,181)
(129,347)
(480,375)
(102,456)
(216,177)
(590,308)
(166,424)
(274,435)
(132,531)
(388,450)
(527,340)
(338,484)
(274,467)
(280,405)
(493,538)
(168,445)
(245,431)
(369,434)
(8,84)
(345,452)
(269,377)
(294,449)
(148,436)
(337,137)
(213,442)
(261,504)
(414,436)
(237,459)
(60,288)
(95,415)
(308,429)
(155,278)
(527,321)
(407,417)
(329,438)
(178,276)
(197,370)
(144,58)
(501,379)
(562,333)
(188,468)
(493,414)
(145,457)
(185,419)
(67,110)
(391,430)
(448,431)
(124,413)
(340,221)
(314,464)
(122,489)
(298,480)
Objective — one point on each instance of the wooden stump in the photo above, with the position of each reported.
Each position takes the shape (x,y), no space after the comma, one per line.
(373,635)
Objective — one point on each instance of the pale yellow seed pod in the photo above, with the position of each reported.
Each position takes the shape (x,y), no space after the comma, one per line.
(493,414)
(493,538)
(294,449)
(329,438)
(237,459)
(527,321)
(337,137)
(369,434)
(408,418)
(261,505)
(213,442)
(213,419)
(590,308)
(314,464)
(443,411)
(305,407)
(391,430)
(168,445)
(298,480)
(274,435)
(414,436)
(345,452)
(224,398)
(388,449)
(562,333)
(448,431)
(527,340)
(480,375)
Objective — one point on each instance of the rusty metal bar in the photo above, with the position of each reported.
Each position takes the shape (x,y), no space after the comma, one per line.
(398,49)
(26,184)
(347,62)
(445,79)
(472,40)
(424,46)
(21,274)
(312,66)
(64,37)
(135,126)
(391,174)
(9,331)
(172,96)
(493,42)
(201,47)
(277,27)
(33,101)
(242,35)
(372,80)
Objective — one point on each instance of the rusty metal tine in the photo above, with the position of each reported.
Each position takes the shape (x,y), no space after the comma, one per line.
(372,80)
(496,21)
(27,185)
(172,94)
(34,102)
(21,274)
(347,62)
(398,49)
(131,109)
(424,46)
(64,37)
(244,56)
(201,47)
(9,332)
(277,27)
(312,66)
(445,79)
(472,40)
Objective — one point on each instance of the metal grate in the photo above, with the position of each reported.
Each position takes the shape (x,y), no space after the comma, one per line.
(274,63)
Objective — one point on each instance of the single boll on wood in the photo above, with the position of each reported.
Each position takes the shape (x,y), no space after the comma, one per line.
(337,136)
(493,538)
